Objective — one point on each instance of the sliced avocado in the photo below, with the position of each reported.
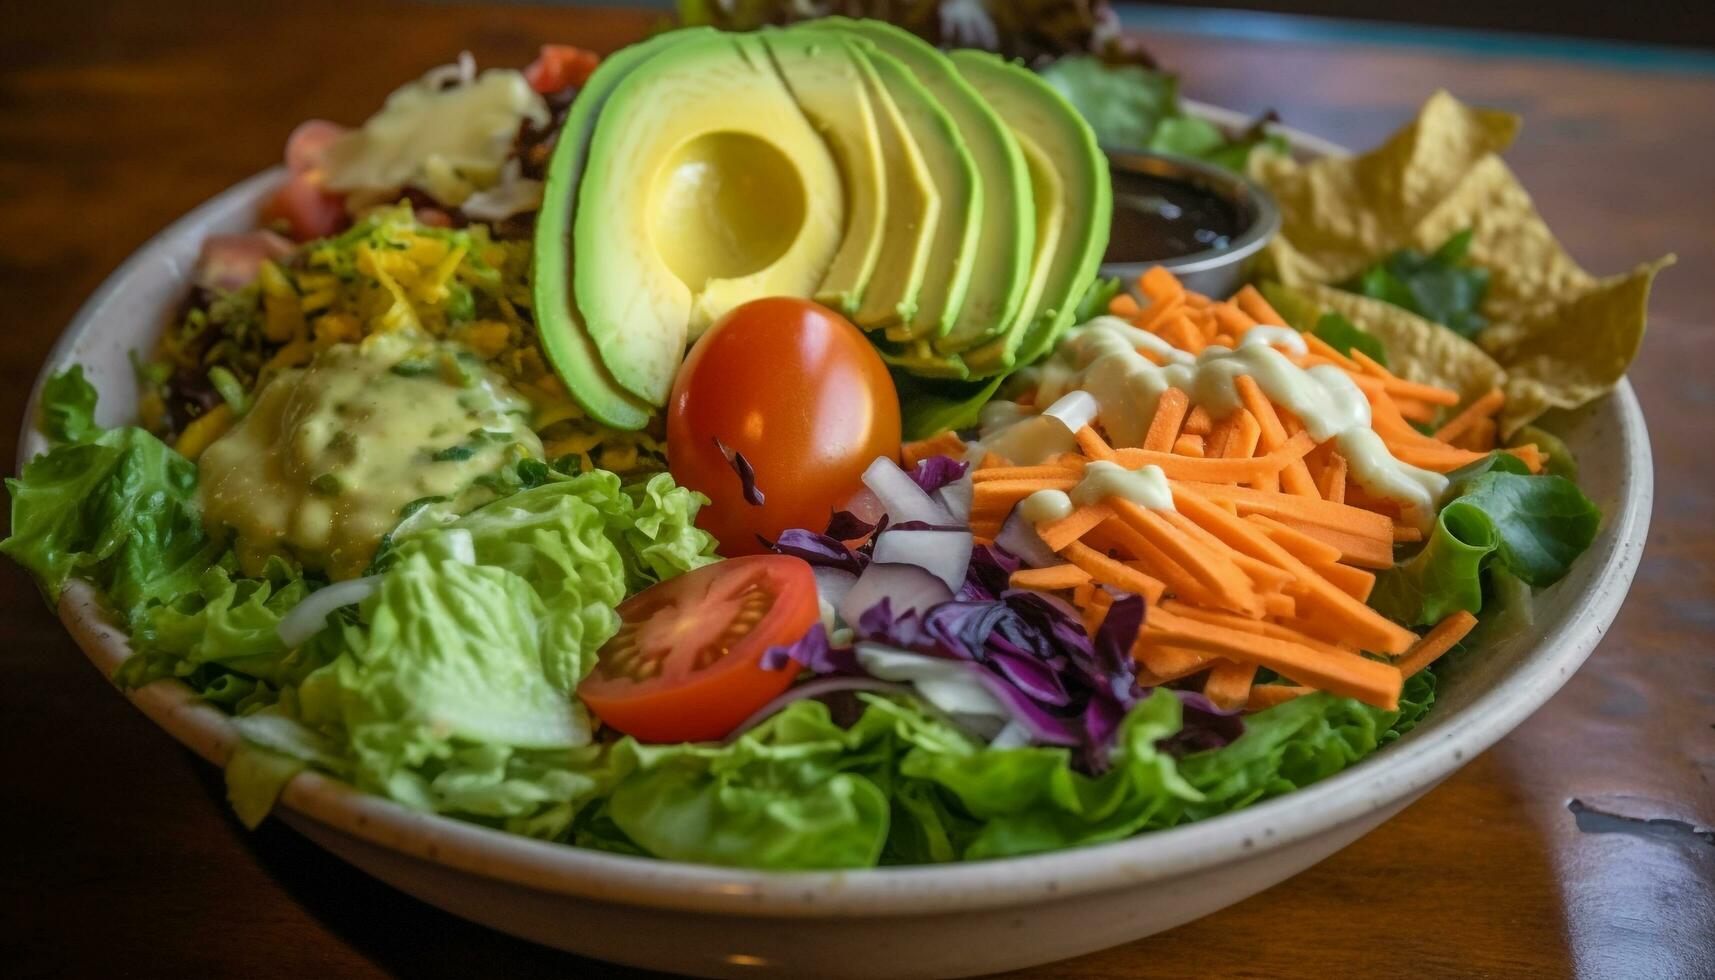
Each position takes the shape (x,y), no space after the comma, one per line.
(705,187)
(1048,195)
(904,109)
(559,325)
(1065,141)
(827,77)
(1005,238)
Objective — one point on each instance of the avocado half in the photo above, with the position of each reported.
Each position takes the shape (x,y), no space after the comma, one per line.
(956,207)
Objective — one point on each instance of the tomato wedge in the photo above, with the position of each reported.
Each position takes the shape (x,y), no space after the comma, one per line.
(685,665)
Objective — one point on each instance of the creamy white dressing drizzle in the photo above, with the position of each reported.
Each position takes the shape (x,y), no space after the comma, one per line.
(1046,505)
(1102,357)
(1145,486)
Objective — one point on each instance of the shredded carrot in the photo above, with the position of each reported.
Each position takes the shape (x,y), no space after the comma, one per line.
(1355,582)
(1371,629)
(1294,479)
(1307,510)
(1198,421)
(1436,642)
(992,459)
(1093,445)
(1261,561)
(1232,319)
(1159,284)
(1049,579)
(1170,411)
(1044,472)
(1310,550)
(1217,470)
(1257,308)
(1166,662)
(1058,534)
(1333,482)
(1348,674)
(1189,445)
(1109,572)
(1265,696)
(1229,685)
(946,443)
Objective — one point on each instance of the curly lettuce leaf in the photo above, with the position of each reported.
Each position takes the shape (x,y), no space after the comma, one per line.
(120,510)
(68,407)
(903,786)
(222,639)
(1532,527)
(652,523)
(796,792)
(1133,107)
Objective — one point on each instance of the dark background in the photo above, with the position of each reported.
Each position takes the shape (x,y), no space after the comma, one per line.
(1688,22)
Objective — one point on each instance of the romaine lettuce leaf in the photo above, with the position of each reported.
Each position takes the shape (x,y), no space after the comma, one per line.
(903,786)
(119,509)
(229,624)
(796,792)
(68,407)
(1494,510)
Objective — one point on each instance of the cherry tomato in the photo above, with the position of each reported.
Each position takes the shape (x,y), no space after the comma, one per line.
(308,211)
(559,67)
(685,664)
(801,394)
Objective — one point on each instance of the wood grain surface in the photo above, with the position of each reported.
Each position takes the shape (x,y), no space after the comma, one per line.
(119,857)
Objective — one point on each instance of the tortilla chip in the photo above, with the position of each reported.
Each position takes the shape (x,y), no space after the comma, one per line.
(1417,349)
(1558,336)
(1339,213)
(1575,351)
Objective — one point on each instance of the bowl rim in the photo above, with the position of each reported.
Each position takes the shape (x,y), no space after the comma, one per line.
(1406,769)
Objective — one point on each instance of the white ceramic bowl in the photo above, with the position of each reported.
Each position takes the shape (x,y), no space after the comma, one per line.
(895,922)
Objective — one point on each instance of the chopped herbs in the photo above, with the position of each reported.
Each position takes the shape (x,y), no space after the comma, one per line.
(1442,286)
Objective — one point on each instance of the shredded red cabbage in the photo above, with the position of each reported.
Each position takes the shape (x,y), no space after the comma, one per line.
(936,472)
(1029,649)
(746,473)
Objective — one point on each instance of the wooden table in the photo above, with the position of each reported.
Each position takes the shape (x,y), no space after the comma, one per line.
(119,854)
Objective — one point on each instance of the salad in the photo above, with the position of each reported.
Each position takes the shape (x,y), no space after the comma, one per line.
(726,451)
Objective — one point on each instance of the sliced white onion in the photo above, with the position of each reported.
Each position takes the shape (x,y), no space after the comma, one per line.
(832,584)
(307,618)
(1074,410)
(900,495)
(461,547)
(957,497)
(905,587)
(865,506)
(944,554)
(1019,538)
(951,685)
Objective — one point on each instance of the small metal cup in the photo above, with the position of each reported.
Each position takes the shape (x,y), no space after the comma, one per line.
(1217,272)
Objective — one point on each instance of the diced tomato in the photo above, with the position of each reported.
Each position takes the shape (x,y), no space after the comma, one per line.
(230,262)
(559,67)
(685,665)
(307,211)
(308,145)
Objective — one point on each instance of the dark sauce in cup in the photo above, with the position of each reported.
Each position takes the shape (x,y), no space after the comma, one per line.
(1158,218)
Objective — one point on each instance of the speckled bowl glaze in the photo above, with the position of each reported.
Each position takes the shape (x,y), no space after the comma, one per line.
(895,922)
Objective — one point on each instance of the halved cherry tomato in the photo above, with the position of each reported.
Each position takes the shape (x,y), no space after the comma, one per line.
(685,664)
(559,67)
(797,390)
